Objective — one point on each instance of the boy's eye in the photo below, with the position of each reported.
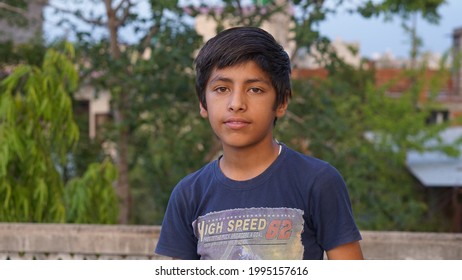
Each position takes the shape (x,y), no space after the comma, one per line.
(256,90)
(221,89)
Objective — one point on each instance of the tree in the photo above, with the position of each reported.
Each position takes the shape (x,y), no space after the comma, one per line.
(91,199)
(14,11)
(408,12)
(37,131)
(146,78)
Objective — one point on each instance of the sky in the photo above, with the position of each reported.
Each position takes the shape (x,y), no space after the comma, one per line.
(375,36)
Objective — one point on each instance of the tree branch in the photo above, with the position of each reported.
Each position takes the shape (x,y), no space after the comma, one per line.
(147,40)
(13,9)
(79,16)
(125,15)
(118,7)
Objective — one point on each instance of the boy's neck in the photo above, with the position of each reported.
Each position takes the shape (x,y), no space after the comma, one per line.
(246,163)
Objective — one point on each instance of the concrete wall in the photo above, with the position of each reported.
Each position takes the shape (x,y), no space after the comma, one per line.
(69,241)
(383,245)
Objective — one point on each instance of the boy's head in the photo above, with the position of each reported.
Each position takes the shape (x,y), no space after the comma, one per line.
(241,44)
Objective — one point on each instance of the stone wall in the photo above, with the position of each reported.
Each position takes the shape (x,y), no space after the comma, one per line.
(411,245)
(70,241)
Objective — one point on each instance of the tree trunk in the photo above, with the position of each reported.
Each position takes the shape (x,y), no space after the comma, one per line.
(121,106)
(414,42)
(123,187)
(113,27)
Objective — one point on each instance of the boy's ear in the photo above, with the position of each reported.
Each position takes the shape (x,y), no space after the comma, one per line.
(281,110)
(203,111)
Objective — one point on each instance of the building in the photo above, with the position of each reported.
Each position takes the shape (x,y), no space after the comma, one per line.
(441,176)
(96,105)
(24,34)
(279,24)
(451,100)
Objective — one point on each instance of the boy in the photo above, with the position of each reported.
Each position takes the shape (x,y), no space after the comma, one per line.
(260,199)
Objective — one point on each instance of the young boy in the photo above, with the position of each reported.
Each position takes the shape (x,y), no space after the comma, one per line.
(260,199)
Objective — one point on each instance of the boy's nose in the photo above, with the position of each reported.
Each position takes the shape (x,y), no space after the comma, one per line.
(236,102)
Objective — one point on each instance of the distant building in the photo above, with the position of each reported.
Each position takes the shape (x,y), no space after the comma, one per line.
(389,69)
(388,60)
(31,31)
(347,51)
(97,107)
(441,176)
(278,25)
(452,98)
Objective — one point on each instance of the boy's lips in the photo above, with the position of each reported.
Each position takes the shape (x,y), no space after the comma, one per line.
(236,123)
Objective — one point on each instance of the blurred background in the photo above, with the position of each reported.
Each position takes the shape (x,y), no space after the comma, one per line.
(99,118)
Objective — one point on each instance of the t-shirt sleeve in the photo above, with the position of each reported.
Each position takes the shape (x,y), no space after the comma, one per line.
(331,211)
(177,239)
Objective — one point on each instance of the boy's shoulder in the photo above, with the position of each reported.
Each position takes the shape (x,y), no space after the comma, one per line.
(298,159)
(308,168)
(204,174)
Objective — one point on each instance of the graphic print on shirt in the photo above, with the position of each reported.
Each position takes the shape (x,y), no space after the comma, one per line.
(250,234)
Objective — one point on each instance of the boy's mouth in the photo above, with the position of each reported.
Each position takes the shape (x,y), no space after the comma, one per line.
(236,123)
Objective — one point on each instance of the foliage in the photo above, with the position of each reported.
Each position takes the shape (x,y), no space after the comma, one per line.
(37,132)
(169,128)
(91,198)
(14,12)
(31,53)
(402,8)
(174,145)
(408,12)
(150,82)
(349,122)
(87,150)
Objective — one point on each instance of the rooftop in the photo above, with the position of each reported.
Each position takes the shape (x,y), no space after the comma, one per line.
(435,169)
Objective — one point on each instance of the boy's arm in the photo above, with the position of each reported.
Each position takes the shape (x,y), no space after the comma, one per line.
(348,251)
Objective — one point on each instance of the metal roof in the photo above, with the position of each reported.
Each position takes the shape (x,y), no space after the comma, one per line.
(435,169)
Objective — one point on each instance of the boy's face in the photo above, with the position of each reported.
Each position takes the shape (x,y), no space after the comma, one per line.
(240,105)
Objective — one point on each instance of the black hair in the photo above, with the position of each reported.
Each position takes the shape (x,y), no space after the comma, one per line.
(240,44)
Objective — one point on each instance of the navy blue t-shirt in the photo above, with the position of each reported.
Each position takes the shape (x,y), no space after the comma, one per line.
(296,209)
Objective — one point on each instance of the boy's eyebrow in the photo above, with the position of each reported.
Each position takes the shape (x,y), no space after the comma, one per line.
(220,78)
